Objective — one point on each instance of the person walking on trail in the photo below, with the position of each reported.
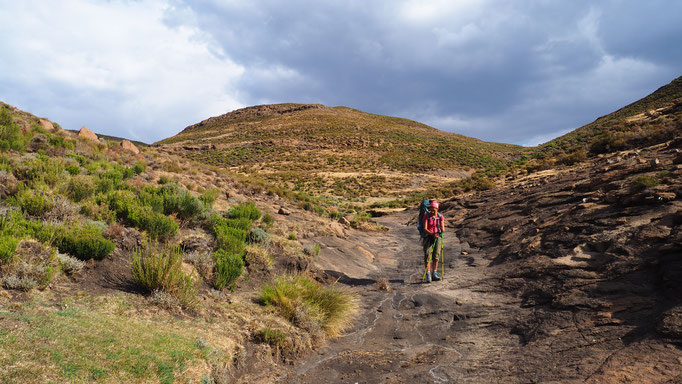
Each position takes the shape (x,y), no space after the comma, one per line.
(434,226)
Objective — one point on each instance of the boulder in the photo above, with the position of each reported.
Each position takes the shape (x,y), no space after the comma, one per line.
(87,134)
(283,211)
(129,147)
(47,125)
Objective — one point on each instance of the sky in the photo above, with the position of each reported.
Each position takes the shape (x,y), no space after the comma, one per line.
(522,72)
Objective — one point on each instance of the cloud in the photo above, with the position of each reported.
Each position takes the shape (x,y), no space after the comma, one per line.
(114,66)
(506,71)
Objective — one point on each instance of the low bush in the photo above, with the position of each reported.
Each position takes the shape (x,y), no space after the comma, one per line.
(34,265)
(160,268)
(70,265)
(267,220)
(33,202)
(259,236)
(228,268)
(127,208)
(209,196)
(230,239)
(139,167)
(73,169)
(8,246)
(292,236)
(83,242)
(643,182)
(80,188)
(180,201)
(248,211)
(308,304)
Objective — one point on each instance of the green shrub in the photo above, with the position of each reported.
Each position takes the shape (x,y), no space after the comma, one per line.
(139,167)
(642,182)
(33,265)
(248,210)
(228,268)
(8,245)
(79,158)
(127,208)
(267,219)
(259,236)
(34,203)
(292,236)
(160,268)
(82,242)
(80,187)
(180,201)
(73,169)
(308,304)
(10,133)
(209,196)
(230,239)
(157,225)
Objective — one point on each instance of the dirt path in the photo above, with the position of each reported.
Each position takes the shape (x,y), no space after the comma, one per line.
(447,331)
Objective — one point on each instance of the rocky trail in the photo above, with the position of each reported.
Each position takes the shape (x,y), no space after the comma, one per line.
(446,331)
(566,276)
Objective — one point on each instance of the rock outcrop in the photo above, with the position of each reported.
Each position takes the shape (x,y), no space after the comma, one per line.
(128,146)
(47,125)
(87,134)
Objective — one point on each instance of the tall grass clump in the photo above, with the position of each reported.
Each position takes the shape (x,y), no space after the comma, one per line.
(83,242)
(308,304)
(160,268)
(228,268)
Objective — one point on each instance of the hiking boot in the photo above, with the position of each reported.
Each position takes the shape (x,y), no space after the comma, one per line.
(428,277)
(435,276)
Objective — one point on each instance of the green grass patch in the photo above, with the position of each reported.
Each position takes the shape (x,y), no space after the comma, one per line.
(77,344)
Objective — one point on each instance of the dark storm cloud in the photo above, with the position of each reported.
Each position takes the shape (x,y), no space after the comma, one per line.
(522,71)
(515,72)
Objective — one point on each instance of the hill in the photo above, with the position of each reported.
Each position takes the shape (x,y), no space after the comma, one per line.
(124,264)
(651,120)
(337,152)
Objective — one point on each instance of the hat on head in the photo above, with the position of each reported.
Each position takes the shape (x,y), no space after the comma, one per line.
(434,204)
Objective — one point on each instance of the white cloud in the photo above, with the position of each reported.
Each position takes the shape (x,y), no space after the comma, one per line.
(151,80)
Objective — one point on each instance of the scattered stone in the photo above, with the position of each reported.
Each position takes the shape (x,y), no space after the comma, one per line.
(283,211)
(87,134)
(126,145)
(344,221)
(655,163)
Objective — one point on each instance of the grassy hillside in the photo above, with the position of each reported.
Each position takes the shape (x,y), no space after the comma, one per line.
(651,120)
(125,267)
(337,152)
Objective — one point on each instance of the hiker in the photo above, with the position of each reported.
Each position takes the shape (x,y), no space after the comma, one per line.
(434,226)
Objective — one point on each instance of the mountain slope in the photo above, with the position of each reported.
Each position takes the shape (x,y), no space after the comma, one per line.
(337,151)
(648,121)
